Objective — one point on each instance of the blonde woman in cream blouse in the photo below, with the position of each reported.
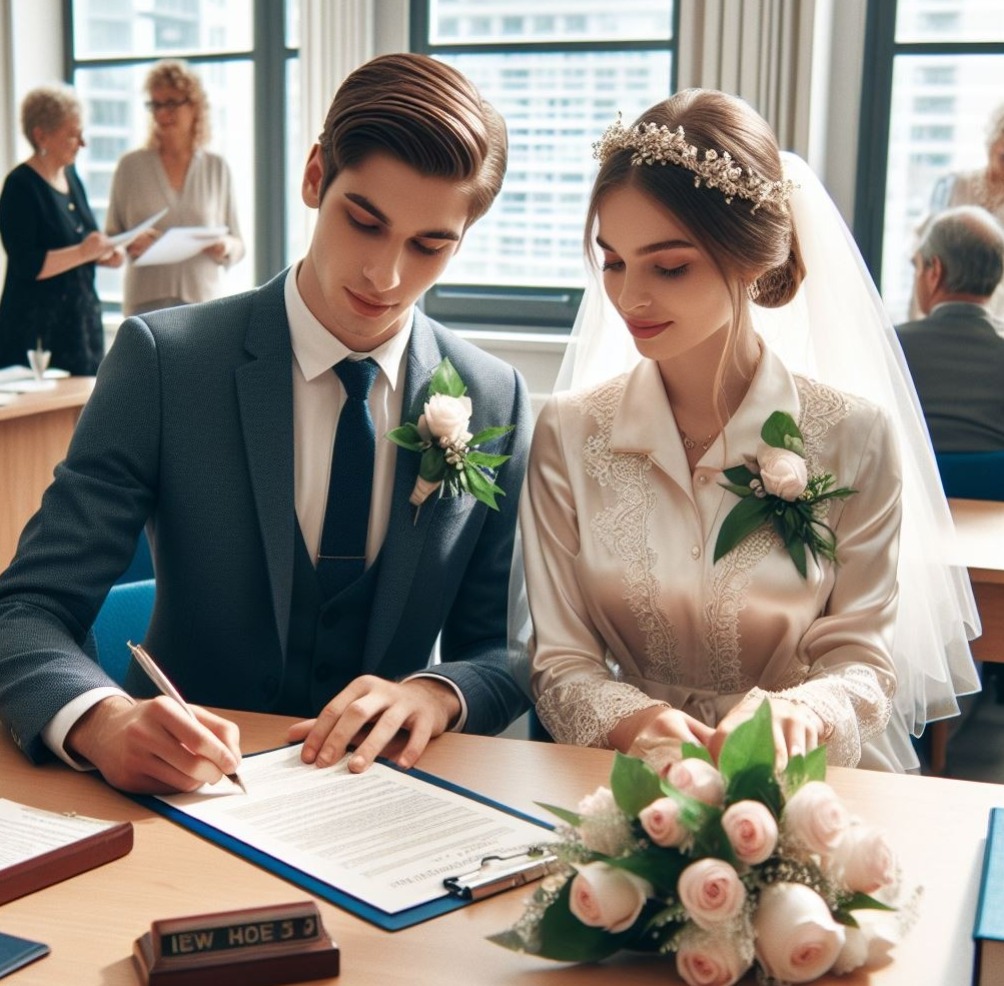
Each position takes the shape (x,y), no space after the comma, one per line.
(176,172)
(641,639)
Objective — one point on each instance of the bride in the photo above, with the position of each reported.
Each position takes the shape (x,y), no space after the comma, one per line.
(717,525)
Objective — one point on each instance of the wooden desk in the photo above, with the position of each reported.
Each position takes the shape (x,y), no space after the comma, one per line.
(35,432)
(979,527)
(937,826)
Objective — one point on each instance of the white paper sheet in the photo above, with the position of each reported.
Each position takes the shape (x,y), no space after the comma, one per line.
(27,832)
(179,243)
(384,836)
(120,239)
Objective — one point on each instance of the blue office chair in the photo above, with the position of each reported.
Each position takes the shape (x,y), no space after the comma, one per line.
(141,566)
(972,475)
(124,616)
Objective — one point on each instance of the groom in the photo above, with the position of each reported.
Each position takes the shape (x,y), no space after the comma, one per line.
(218,425)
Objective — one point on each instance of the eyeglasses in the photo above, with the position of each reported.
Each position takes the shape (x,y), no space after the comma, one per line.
(154,105)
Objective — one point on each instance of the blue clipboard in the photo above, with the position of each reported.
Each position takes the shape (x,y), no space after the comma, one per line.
(326,891)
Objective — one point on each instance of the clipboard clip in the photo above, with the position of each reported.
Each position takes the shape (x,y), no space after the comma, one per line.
(498,873)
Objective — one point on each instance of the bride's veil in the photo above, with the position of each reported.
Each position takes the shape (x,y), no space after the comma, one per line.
(837,331)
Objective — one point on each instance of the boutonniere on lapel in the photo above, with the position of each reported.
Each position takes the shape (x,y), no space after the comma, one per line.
(452,460)
(777,489)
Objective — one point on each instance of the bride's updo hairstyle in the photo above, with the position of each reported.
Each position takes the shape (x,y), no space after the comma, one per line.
(752,244)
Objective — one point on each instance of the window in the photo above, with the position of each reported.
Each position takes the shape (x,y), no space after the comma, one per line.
(558,79)
(239,48)
(936,68)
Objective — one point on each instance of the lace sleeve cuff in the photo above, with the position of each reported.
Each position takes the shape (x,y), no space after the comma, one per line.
(584,711)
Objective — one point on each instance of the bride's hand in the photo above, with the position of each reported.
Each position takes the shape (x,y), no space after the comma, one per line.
(657,735)
(797,729)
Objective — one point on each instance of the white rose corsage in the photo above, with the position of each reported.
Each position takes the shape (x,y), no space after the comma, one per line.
(452,459)
(777,490)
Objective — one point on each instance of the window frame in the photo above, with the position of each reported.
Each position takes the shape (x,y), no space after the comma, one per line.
(268,55)
(527,308)
(880,53)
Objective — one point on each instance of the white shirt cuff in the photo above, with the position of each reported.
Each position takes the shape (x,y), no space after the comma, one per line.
(58,727)
(458,726)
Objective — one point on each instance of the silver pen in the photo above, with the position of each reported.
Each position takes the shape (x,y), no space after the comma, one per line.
(163,683)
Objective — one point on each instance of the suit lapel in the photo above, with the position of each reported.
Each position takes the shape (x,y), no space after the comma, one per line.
(265,399)
(406,533)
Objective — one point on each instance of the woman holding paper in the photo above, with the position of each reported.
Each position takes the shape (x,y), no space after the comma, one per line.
(176,172)
(52,243)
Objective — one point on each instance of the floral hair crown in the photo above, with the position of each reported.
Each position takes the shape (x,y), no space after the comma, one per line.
(657,144)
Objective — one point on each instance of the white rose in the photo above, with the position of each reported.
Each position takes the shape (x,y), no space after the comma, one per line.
(604,827)
(751,830)
(782,472)
(697,778)
(604,896)
(711,892)
(863,861)
(815,817)
(445,417)
(867,945)
(707,959)
(797,939)
(661,822)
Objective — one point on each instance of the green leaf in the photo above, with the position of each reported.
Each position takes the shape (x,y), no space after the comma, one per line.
(634,784)
(570,817)
(741,475)
(693,751)
(446,380)
(407,436)
(486,460)
(757,783)
(490,434)
(660,866)
(802,769)
(711,839)
(750,744)
(864,902)
(433,464)
(796,548)
(742,491)
(694,815)
(745,517)
(777,427)
(481,487)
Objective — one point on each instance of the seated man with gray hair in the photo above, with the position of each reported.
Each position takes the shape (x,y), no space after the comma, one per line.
(956,352)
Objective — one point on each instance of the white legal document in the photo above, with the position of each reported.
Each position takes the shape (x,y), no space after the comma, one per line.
(120,239)
(386,837)
(179,243)
(27,832)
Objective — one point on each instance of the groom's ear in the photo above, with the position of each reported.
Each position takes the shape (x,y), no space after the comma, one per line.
(313,178)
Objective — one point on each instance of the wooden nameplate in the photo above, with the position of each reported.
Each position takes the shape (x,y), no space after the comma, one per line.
(255,946)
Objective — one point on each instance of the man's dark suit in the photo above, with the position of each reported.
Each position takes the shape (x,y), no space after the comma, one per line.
(956,358)
(190,430)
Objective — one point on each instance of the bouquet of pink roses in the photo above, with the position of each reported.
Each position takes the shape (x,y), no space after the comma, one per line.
(728,868)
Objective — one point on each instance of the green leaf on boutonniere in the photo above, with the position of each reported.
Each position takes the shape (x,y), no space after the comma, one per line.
(745,517)
(478,483)
(407,436)
(780,431)
(740,476)
(634,784)
(486,459)
(490,434)
(796,548)
(446,380)
(432,466)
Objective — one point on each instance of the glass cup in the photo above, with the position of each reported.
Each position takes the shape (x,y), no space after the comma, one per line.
(38,360)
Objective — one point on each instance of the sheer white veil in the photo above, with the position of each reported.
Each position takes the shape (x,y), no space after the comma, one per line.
(837,331)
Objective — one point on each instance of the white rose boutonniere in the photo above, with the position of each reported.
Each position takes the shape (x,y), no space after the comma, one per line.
(777,489)
(451,456)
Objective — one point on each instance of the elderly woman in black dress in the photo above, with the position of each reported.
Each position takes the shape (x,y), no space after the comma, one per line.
(52,243)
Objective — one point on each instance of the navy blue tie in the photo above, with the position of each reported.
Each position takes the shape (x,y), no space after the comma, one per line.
(341,558)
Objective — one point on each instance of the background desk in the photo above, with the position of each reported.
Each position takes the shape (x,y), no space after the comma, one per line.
(979,527)
(35,432)
(936,825)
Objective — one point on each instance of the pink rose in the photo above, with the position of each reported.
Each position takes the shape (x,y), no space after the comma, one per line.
(446,418)
(751,830)
(604,896)
(797,939)
(711,892)
(863,861)
(815,817)
(706,959)
(782,472)
(661,822)
(697,778)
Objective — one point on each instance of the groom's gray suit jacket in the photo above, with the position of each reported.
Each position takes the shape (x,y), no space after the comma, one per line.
(190,431)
